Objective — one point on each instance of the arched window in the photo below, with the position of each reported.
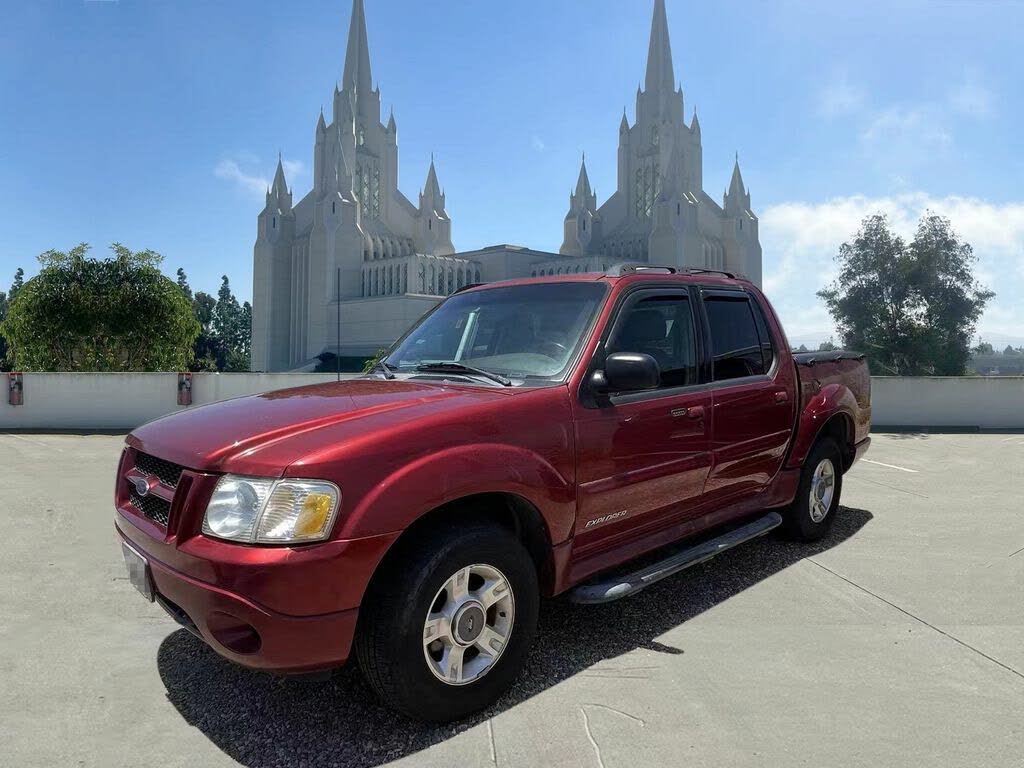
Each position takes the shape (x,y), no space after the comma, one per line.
(273,224)
(477,275)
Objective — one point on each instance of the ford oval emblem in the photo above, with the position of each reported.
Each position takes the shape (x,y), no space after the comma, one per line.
(141,485)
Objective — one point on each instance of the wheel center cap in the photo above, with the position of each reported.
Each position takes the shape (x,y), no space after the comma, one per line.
(469,623)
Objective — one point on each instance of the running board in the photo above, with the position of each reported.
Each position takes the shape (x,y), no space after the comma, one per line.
(625,584)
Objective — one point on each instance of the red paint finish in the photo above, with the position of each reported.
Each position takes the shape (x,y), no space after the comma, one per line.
(610,478)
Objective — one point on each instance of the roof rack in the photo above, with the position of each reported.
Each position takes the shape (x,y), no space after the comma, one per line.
(619,270)
(699,271)
(627,268)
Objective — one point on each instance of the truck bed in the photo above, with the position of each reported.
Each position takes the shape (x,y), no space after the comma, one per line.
(842,367)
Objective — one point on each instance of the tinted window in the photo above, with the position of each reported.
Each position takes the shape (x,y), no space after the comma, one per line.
(767,350)
(735,344)
(662,327)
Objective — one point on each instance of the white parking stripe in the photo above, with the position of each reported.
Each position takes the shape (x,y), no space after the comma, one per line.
(890,466)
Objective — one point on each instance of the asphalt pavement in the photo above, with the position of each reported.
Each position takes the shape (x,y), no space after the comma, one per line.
(898,640)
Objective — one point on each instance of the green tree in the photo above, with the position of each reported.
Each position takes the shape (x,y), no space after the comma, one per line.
(16,286)
(984,348)
(183,284)
(911,307)
(85,314)
(827,346)
(232,326)
(1010,351)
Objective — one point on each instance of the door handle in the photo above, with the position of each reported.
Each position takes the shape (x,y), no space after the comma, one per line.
(782,396)
(696,412)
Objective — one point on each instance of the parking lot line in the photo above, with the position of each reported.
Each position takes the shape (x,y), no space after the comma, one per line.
(890,466)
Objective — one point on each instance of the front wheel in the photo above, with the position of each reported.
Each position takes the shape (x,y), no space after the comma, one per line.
(810,515)
(448,624)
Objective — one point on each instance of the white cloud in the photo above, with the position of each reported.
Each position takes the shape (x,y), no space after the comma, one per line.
(840,97)
(800,240)
(971,98)
(231,171)
(906,125)
(255,183)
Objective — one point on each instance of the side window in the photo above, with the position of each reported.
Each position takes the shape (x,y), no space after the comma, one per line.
(662,327)
(735,344)
(767,349)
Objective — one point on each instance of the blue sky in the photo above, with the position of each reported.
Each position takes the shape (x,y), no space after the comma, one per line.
(157,124)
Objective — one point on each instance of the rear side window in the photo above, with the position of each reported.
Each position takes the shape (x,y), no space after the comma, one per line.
(735,343)
(767,350)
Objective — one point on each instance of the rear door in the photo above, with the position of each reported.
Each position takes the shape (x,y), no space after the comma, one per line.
(751,396)
(643,457)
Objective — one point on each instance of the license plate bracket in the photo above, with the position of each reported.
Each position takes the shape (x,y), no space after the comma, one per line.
(138,571)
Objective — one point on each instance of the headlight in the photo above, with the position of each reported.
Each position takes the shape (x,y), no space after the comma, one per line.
(254,509)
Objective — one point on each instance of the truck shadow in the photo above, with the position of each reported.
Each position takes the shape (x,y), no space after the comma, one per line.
(262,720)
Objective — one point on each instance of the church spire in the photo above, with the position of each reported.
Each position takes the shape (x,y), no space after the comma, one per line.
(737,195)
(432,198)
(357,57)
(583,182)
(660,75)
(432,187)
(280,186)
(278,192)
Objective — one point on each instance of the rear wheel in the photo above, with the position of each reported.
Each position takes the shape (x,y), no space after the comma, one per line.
(810,515)
(448,624)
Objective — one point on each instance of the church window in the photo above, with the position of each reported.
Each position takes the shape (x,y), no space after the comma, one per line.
(430,223)
(654,135)
(584,225)
(679,209)
(478,275)
(361,135)
(332,207)
(273,224)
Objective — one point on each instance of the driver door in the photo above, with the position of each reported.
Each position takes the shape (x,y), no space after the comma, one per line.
(643,457)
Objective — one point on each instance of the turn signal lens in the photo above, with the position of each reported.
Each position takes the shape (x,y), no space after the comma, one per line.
(298,510)
(316,511)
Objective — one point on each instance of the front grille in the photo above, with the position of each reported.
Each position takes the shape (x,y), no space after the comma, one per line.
(153,507)
(167,472)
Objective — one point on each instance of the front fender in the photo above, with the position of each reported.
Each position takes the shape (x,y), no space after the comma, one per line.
(830,401)
(455,473)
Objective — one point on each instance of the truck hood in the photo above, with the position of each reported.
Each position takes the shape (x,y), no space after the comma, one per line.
(263,434)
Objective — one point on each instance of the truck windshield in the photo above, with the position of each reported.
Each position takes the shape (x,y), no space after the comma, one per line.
(523,332)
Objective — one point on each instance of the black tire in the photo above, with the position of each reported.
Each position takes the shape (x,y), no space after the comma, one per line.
(798,522)
(389,641)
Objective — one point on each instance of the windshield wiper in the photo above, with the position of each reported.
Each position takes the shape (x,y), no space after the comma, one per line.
(453,367)
(384,368)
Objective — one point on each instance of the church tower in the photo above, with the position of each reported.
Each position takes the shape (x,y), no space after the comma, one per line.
(272,268)
(742,246)
(660,212)
(581,221)
(354,235)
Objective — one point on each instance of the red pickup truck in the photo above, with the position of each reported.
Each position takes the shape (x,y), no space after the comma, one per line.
(525,438)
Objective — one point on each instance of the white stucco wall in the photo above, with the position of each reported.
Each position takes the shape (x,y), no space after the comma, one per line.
(112,401)
(986,402)
(126,400)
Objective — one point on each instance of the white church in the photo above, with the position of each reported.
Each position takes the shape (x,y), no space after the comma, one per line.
(354,263)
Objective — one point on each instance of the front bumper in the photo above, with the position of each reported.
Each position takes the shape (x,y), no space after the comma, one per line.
(243,629)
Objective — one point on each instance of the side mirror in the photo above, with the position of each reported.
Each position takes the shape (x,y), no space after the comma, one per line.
(627,372)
